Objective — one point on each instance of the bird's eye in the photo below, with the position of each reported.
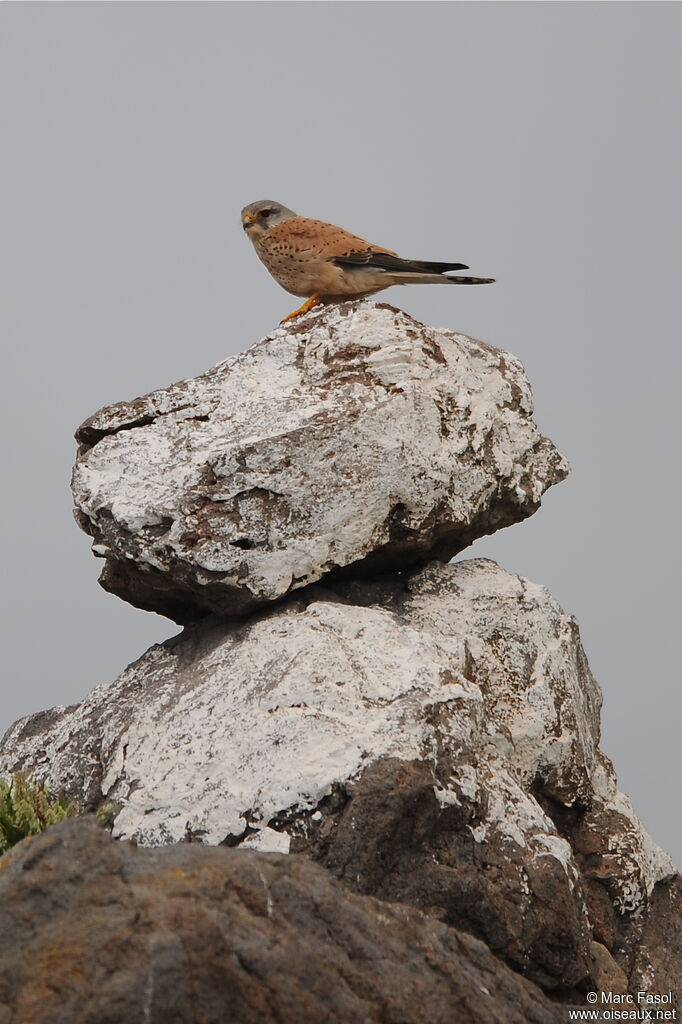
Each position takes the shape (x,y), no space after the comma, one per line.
(266,213)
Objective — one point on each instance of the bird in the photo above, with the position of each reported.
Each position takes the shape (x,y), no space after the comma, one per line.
(325,264)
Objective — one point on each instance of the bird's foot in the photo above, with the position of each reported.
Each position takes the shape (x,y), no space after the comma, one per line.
(314,300)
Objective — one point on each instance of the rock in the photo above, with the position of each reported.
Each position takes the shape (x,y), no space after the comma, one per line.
(430,739)
(608,976)
(652,952)
(395,835)
(101,932)
(616,857)
(353,440)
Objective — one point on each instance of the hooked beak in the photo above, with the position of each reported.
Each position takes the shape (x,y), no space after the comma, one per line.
(247,221)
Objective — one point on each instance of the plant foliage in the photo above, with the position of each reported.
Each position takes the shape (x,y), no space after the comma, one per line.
(26,810)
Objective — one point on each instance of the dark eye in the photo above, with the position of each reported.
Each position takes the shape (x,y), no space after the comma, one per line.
(266,213)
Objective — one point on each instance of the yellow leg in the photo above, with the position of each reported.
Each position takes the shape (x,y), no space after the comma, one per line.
(314,300)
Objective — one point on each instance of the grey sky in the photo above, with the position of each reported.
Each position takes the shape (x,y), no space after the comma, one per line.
(538,143)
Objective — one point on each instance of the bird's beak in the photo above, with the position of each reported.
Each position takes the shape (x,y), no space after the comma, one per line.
(247,221)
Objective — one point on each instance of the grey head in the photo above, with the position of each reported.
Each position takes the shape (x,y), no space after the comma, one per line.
(266,213)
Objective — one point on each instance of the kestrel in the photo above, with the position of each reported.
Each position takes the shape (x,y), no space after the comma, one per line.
(327,264)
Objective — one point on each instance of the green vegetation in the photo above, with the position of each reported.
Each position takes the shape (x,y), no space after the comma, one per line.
(26,810)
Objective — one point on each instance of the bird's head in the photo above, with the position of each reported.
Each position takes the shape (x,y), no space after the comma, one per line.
(257,218)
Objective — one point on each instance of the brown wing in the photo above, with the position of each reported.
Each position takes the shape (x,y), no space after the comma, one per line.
(315,237)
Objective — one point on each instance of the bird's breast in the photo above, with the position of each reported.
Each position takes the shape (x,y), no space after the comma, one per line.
(295,268)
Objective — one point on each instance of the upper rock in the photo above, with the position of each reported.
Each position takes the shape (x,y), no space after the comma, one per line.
(353,437)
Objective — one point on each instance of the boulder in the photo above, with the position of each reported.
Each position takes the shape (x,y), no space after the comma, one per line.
(100,932)
(354,440)
(432,739)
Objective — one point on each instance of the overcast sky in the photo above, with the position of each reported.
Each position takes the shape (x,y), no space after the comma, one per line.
(538,143)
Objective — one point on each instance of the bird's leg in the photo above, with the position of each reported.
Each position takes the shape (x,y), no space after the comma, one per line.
(314,300)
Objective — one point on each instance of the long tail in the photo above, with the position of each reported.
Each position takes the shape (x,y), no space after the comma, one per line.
(437,279)
(400,271)
(470,280)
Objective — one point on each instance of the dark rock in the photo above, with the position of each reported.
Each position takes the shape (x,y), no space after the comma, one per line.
(390,837)
(99,932)
(652,955)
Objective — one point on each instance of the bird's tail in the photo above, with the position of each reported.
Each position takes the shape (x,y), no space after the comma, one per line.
(469,280)
(407,278)
(400,271)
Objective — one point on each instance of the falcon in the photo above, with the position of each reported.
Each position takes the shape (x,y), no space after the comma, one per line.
(323,263)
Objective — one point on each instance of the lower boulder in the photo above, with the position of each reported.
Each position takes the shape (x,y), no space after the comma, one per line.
(432,739)
(99,932)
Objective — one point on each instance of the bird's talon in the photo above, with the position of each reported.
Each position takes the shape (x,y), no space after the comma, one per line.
(305,308)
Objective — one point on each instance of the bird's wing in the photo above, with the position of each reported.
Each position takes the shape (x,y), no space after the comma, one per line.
(383,260)
(315,237)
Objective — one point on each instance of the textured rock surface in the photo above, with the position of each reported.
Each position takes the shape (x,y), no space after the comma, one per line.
(391,834)
(654,951)
(432,740)
(190,934)
(354,437)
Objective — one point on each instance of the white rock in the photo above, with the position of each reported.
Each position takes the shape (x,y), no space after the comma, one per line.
(353,435)
(220,730)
